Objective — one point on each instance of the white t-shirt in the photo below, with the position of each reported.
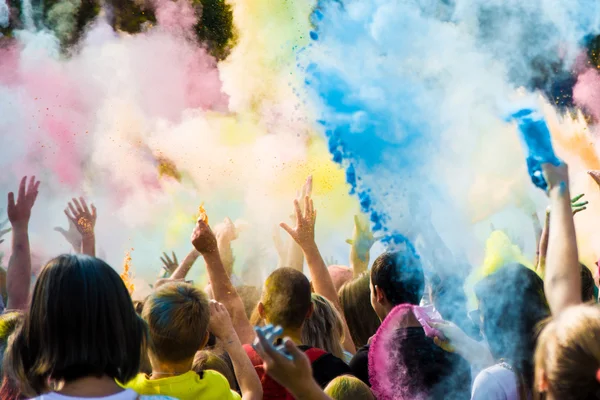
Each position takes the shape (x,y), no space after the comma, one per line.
(127,394)
(495,383)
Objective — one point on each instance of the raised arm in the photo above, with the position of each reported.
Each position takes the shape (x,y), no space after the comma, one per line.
(182,270)
(295,253)
(220,325)
(205,243)
(304,235)
(226,232)
(562,282)
(576,206)
(18,276)
(84,219)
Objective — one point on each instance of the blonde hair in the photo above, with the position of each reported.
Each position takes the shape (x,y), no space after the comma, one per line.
(177,315)
(324,328)
(568,354)
(347,387)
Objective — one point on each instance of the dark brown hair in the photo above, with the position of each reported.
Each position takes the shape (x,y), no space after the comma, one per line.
(355,299)
(177,315)
(286,298)
(81,322)
(400,276)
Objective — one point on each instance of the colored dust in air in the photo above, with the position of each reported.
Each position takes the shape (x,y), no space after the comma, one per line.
(126,275)
(167,168)
(202,214)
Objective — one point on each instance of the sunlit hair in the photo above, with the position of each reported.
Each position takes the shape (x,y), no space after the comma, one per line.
(177,315)
(324,329)
(568,354)
(355,298)
(81,322)
(208,359)
(512,304)
(286,298)
(347,387)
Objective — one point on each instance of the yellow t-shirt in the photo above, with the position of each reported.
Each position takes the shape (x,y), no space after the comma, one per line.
(188,386)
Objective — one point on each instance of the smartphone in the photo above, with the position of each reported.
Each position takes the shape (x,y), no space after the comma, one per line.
(535,136)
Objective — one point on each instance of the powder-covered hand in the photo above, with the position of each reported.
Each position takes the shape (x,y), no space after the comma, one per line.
(227,230)
(203,239)
(556,176)
(304,232)
(82,216)
(19,212)
(220,323)
(362,236)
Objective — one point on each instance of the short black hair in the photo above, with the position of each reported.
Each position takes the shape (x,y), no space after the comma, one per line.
(400,276)
(81,322)
(287,298)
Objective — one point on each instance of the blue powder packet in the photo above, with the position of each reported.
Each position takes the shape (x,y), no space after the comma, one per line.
(536,137)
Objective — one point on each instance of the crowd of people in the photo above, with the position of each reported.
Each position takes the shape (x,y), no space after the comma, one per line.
(390,330)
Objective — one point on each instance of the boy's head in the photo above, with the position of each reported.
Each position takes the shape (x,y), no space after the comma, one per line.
(177,315)
(286,299)
(396,278)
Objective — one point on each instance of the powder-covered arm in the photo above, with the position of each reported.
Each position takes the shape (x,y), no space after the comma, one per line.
(543,247)
(221,326)
(205,242)
(184,267)
(18,276)
(304,235)
(562,282)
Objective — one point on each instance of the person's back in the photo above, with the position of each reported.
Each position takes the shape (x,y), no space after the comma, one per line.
(286,301)
(61,343)
(178,315)
(413,358)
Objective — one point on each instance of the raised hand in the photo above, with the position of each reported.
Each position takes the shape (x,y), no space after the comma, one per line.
(203,239)
(362,236)
(169,265)
(226,230)
(578,206)
(304,232)
(220,323)
(80,215)
(556,176)
(72,235)
(19,212)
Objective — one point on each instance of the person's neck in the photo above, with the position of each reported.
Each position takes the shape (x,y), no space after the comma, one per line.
(91,386)
(161,370)
(294,334)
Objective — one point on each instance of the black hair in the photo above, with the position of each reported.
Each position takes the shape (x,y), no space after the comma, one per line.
(400,276)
